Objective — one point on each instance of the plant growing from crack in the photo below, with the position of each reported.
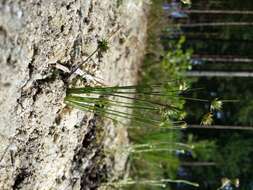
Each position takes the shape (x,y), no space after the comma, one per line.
(109,102)
(102,47)
(112,102)
(156,182)
(153,147)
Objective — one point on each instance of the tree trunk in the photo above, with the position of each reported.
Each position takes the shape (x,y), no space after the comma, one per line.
(220,58)
(208,39)
(191,34)
(213,24)
(43,143)
(197,164)
(218,74)
(223,12)
(221,127)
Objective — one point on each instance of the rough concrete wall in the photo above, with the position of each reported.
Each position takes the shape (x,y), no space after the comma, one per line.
(43,144)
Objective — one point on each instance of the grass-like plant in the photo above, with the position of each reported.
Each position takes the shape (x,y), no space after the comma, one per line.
(148,99)
(153,111)
(149,110)
(156,182)
(154,147)
(108,101)
(102,47)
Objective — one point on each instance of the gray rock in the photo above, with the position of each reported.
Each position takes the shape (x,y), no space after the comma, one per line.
(43,144)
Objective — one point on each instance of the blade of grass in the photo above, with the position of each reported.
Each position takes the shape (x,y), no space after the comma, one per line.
(113,112)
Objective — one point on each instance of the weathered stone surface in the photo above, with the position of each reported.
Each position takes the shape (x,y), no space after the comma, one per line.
(43,144)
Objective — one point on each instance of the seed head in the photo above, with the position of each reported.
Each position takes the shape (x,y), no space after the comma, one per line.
(216,104)
(103,45)
(207,119)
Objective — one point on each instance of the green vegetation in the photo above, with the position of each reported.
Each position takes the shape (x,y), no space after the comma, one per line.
(157,116)
(162,183)
(102,47)
(109,100)
(160,152)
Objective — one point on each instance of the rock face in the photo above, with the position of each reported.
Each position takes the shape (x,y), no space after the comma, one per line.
(43,143)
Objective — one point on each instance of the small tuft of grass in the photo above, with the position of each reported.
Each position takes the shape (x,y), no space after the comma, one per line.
(150,100)
(103,45)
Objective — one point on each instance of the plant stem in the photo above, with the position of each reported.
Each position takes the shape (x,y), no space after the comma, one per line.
(149,182)
(112,112)
(111,102)
(81,63)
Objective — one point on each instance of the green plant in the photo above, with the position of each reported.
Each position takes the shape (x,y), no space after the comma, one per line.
(106,100)
(229,184)
(158,183)
(154,111)
(151,115)
(153,147)
(102,47)
(149,99)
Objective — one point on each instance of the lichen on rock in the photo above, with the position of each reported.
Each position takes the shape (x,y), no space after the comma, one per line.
(44,144)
